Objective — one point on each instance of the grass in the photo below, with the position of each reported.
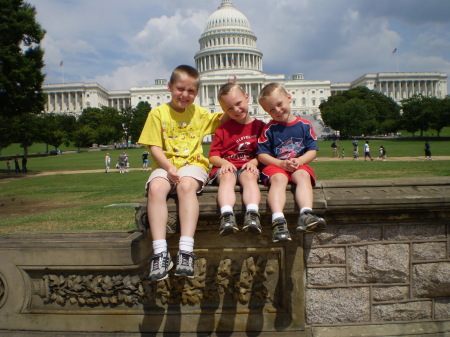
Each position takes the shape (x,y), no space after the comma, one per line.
(79,201)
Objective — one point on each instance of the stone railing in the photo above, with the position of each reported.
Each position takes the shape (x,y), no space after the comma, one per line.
(381,268)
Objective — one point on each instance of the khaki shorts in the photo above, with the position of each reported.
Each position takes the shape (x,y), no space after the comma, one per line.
(192,171)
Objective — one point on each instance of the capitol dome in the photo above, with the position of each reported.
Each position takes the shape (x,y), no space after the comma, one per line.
(228,43)
(227,16)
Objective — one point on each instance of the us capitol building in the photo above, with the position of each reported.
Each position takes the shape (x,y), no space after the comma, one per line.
(227,49)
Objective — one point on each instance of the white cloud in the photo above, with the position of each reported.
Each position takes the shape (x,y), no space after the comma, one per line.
(123,44)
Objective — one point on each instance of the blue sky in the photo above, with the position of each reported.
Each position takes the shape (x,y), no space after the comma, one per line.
(122,44)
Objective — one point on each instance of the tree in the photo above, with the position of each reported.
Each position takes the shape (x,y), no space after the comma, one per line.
(414,118)
(361,111)
(139,116)
(21,59)
(26,130)
(84,136)
(106,119)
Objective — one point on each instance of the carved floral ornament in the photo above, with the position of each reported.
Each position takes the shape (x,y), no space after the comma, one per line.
(254,278)
(2,291)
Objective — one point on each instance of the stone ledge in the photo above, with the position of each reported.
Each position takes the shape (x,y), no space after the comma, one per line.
(338,201)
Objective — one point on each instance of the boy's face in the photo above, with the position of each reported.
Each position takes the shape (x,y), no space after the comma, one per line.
(278,106)
(183,90)
(235,105)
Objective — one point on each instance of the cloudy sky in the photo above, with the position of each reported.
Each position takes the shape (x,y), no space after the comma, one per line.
(120,44)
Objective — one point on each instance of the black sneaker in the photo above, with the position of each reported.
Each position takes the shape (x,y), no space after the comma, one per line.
(309,222)
(185,264)
(159,266)
(227,224)
(280,231)
(252,222)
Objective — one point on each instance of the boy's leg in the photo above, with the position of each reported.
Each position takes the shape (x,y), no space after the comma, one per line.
(226,199)
(161,262)
(307,221)
(188,212)
(158,189)
(251,197)
(225,194)
(188,208)
(276,199)
(303,190)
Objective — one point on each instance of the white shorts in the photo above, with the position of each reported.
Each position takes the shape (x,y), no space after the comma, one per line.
(192,171)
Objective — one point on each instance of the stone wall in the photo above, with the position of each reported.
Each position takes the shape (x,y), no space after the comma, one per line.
(381,268)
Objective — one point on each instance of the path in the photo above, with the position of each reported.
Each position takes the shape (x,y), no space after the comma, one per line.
(4,177)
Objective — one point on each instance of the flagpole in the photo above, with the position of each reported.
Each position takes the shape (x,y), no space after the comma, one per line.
(395,51)
(396,54)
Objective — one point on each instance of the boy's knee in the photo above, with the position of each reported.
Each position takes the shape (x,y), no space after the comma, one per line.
(188,185)
(158,187)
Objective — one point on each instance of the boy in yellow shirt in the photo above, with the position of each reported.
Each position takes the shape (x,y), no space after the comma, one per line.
(174,134)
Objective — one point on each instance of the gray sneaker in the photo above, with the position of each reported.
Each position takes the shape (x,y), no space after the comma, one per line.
(227,224)
(185,264)
(280,231)
(309,222)
(252,222)
(159,266)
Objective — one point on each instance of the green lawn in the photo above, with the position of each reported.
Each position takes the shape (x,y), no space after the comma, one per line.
(79,201)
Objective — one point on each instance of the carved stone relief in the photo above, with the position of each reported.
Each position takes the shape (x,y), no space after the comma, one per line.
(246,280)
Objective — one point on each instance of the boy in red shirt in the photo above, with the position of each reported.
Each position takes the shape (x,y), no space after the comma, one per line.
(233,154)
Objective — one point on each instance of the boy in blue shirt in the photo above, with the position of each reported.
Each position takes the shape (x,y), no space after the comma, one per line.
(287,144)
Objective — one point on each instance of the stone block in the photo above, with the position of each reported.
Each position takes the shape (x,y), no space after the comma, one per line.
(429,251)
(410,311)
(431,279)
(337,305)
(345,235)
(442,308)
(326,276)
(325,256)
(393,293)
(378,263)
(407,232)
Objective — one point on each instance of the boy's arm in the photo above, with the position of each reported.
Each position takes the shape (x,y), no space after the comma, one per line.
(307,157)
(224,118)
(159,156)
(288,164)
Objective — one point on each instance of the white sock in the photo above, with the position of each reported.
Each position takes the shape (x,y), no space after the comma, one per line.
(252,207)
(226,208)
(187,243)
(159,246)
(304,209)
(277,215)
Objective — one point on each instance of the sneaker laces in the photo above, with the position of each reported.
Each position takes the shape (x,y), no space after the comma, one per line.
(253,216)
(227,218)
(185,258)
(280,226)
(155,261)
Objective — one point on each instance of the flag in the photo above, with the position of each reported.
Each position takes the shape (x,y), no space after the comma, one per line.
(61,64)
(394,51)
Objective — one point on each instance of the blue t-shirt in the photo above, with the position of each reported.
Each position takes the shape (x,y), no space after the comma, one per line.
(287,140)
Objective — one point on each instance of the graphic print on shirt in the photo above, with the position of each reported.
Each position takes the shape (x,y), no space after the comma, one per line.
(290,148)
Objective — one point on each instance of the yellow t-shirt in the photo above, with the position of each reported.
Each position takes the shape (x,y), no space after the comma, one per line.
(180,134)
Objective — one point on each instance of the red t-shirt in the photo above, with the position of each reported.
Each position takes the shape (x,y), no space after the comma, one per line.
(236,142)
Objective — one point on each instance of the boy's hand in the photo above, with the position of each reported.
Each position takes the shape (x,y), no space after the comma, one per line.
(251,168)
(172,174)
(227,167)
(289,165)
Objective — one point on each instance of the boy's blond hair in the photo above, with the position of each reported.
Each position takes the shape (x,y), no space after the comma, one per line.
(185,69)
(269,89)
(226,88)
